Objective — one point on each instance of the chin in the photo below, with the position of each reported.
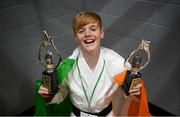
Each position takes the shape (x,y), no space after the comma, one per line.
(91,47)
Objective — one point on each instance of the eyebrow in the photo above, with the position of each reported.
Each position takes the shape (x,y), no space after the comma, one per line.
(94,25)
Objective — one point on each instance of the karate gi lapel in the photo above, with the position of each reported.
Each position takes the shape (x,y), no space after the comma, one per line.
(91,78)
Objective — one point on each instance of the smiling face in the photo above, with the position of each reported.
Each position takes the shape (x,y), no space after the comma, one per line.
(88,31)
(89,37)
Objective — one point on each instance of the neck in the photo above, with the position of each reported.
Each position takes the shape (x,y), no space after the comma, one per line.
(91,58)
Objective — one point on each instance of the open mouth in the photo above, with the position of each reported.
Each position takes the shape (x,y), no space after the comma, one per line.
(88,41)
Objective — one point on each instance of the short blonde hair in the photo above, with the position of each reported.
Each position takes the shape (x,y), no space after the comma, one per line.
(83,18)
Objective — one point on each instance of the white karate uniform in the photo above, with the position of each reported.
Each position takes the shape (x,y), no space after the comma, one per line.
(104,92)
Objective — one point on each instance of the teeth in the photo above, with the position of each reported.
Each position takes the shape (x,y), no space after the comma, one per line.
(89,41)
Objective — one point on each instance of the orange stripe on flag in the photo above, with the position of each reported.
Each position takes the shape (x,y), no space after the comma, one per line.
(119,78)
(136,108)
(140,107)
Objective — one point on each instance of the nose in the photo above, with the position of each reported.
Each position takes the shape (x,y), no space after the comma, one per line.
(87,33)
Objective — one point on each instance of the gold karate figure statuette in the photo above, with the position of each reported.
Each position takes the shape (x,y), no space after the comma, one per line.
(49,79)
(133,75)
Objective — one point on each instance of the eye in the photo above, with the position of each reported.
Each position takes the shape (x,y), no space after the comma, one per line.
(80,30)
(93,29)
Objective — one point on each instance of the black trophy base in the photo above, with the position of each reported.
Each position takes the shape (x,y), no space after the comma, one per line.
(131,80)
(49,79)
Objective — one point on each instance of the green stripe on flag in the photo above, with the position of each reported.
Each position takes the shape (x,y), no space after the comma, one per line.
(64,108)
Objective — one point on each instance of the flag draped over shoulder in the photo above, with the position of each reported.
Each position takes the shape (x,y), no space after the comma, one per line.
(136,108)
(63,108)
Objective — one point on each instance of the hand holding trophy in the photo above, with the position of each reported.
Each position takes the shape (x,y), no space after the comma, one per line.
(133,75)
(49,79)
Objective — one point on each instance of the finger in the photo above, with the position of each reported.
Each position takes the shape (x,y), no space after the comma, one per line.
(135,93)
(43,88)
(137,86)
(134,90)
(42,92)
(46,96)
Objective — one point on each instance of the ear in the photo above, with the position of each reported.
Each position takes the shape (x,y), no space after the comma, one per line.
(75,38)
(102,33)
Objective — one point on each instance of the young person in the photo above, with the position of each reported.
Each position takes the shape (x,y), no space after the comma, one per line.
(92,77)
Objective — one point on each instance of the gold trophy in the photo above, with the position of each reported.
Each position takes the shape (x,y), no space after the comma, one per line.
(49,79)
(133,75)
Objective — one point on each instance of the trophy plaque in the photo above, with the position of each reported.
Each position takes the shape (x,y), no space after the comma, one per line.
(49,78)
(133,76)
